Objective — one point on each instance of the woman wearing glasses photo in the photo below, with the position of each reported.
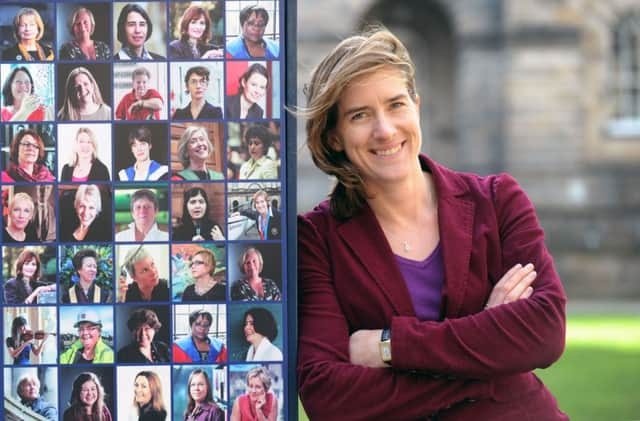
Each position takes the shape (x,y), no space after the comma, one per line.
(197,83)
(26,156)
(252,43)
(21,103)
(206,286)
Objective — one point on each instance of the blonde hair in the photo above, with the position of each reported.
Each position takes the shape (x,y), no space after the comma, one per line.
(26,11)
(70,107)
(183,146)
(356,56)
(92,138)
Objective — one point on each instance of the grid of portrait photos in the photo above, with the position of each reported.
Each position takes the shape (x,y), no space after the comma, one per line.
(143,262)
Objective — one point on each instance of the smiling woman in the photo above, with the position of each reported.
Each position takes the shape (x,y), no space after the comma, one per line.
(82,98)
(87,400)
(26,156)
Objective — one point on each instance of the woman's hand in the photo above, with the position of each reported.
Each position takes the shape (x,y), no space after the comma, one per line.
(514,285)
(364,350)
(122,289)
(197,237)
(213,53)
(216,233)
(28,105)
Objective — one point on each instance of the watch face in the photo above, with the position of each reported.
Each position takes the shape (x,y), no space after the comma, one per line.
(385,351)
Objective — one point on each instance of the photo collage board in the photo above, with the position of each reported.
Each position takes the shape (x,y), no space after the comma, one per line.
(144,210)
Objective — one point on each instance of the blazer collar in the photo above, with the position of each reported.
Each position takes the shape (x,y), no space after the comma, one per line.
(364,236)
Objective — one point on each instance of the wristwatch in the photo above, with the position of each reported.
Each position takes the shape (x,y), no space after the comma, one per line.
(385,345)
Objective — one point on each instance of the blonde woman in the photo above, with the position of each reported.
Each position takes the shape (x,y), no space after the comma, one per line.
(84,164)
(19,228)
(28,30)
(82,98)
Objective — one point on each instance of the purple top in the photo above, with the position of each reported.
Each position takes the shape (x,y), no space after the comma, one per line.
(424,280)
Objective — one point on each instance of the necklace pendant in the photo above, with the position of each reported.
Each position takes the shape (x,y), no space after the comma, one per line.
(406,247)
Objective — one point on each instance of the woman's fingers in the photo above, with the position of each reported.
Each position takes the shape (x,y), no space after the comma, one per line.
(512,286)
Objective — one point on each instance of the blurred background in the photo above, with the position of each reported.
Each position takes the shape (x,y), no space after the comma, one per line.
(549,91)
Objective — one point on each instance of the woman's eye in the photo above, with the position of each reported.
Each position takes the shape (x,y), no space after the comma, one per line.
(397,104)
(358,116)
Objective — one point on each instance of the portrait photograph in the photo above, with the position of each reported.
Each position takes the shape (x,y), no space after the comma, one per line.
(201,392)
(84,31)
(84,92)
(197,151)
(197,90)
(197,212)
(196,30)
(144,392)
(85,213)
(143,273)
(84,152)
(140,152)
(28,152)
(30,335)
(253,151)
(144,334)
(30,214)
(28,31)
(198,272)
(199,333)
(141,212)
(87,390)
(29,274)
(255,271)
(253,29)
(86,274)
(86,334)
(255,332)
(139,31)
(253,90)
(140,90)
(254,211)
(261,384)
(32,390)
(27,92)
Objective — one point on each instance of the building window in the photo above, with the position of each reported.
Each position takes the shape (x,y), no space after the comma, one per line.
(625,120)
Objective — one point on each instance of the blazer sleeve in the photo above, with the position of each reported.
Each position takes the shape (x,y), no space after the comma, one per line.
(511,338)
(330,386)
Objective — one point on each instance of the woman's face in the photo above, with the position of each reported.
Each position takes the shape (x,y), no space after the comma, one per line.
(378,128)
(141,150)
(256,389)
(200,328)
(21,213)
(27,28)
(29,268)
(142,390)
(197,207)
(30,390)
(86,210)
(255,87)
(196,28)
(28,151)
(84,146)
(146,273)
(250,333)
(261,205)
(20,86)
(88,270)
(89,335)
(88,393)
(83,88)
(136,30)
(144,335)
(251,264)
(140,85)
(198,388)
(197,86)
(253,28)
(199,266)
(198,146)
(82,27)
(256,148)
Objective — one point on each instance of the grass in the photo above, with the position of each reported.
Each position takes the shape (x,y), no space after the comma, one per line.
(598,376)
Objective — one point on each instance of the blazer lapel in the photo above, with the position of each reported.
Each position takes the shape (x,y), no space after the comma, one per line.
(364,236)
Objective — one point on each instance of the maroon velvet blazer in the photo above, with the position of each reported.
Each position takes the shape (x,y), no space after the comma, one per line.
(473,364)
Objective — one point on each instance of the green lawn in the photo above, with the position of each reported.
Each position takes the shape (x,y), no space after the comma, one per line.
(598,376)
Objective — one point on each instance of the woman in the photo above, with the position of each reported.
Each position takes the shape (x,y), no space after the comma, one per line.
(20,345)
(199,347)
(84,164)
(253,87)
(144,168)
(254,287)
(201,406)
(195,224)
(267,218)
(20,101)
(195,34)
(19,228)
(28,29)
(87,400)
(258,404)
(144,348)
(197,82)
(206,286)
(408,282)
(84,290)
(259,330)
(26,287)
(194,149)
(89,348)
(134,29)
(147,399)
(251,43)
(82,25)
(27,159)
(259,165)
(146,285)
(85,224)
(143,102)
(83,100)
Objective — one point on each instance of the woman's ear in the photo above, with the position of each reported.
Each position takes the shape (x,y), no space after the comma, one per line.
(334,141)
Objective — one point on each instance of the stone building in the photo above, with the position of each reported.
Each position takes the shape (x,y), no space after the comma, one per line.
(547,90)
